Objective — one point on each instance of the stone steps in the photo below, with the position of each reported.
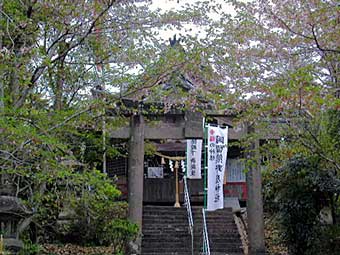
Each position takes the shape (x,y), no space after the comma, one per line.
(165,231)
(222,231)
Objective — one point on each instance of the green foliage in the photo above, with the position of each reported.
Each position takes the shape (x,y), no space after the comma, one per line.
(333,124)
(100,224)
(58,63)
(150,149)
(301,179)
(119,232)
(30,248)
(88,196)
(88,200)
(329,239)
(296,193)
(59,60)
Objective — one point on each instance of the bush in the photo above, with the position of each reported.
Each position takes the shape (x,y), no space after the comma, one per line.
(30,248)
(119,232)
(297,192)
(106,227)
(101,219)
(93,214)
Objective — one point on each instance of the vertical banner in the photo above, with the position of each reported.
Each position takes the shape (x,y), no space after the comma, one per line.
(194,155)
(217,157)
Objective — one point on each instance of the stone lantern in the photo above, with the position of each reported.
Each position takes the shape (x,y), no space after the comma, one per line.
(14,218)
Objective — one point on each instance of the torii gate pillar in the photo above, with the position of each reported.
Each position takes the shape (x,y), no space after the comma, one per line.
(255,203)
(136,175)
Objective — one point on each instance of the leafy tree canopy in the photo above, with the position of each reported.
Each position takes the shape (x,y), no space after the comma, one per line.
(62,63)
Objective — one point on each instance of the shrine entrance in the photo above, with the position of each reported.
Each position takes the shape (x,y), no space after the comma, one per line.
(159,180)
(179,125)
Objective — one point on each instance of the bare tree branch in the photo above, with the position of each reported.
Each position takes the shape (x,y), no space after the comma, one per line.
(40,70)
(318,44)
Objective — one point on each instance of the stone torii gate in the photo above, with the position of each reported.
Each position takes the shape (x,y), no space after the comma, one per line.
(180,126)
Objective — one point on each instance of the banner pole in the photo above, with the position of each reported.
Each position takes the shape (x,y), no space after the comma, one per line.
(186,159)
(205,164)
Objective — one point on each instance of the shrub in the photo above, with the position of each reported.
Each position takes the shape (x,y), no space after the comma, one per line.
(94,214)
(298,191)
(30,248)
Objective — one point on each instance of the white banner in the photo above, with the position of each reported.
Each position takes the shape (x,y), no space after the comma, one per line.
(217,157)
(194,152)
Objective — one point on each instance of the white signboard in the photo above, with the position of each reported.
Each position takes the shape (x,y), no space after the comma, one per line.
(235,170)
(155,172)
(194,152)
(217,156)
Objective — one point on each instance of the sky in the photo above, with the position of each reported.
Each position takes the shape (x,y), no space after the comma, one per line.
(188,29)
(167,5)
(177,4)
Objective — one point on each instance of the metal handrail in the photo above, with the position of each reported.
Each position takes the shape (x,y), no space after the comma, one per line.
(206,247)
(189,211)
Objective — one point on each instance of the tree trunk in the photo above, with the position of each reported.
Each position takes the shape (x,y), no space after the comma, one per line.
(2,89)
(60,79)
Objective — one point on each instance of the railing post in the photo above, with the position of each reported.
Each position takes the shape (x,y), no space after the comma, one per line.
(189,211)
(206,246)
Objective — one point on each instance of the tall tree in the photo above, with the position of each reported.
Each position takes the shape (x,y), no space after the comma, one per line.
(49,58)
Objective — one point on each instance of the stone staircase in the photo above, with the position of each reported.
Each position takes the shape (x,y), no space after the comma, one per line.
(165,231)
(223,234)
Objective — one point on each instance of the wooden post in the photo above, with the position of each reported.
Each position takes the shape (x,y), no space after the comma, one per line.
(1,244)
(177,204)
(255,203)
(136,176)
